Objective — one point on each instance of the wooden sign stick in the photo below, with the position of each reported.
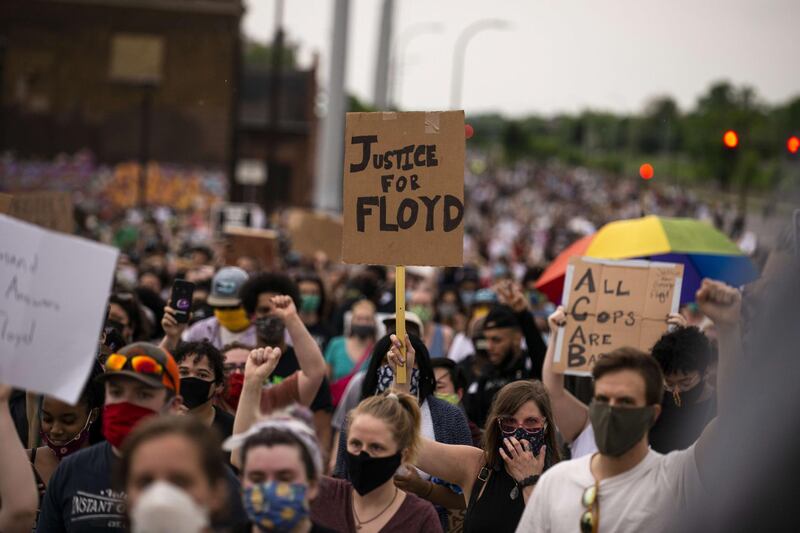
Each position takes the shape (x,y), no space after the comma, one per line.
(400,314)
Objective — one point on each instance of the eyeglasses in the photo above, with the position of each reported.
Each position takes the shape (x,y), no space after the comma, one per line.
(229,368)
(141,364)
(683,384)
(590,519)
(509,425)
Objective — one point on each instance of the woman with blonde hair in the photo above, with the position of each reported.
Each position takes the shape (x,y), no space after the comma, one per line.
(383,434)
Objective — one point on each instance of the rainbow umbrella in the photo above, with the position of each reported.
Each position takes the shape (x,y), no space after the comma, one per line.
(704,252)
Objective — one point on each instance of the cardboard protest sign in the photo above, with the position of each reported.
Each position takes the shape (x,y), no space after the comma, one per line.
(53,294)
(312,232)
(404,188)
(259,244)
(49,209)
(611,304)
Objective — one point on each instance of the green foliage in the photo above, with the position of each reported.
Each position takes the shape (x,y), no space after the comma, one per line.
(684,146)
(260,55)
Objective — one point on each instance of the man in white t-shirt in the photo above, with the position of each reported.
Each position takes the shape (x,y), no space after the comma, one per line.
(626,486)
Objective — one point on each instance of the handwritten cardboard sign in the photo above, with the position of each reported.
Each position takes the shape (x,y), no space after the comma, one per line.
(611,304)
(404,188)
(49,209)
(258,244)
(53,293)
(312,232)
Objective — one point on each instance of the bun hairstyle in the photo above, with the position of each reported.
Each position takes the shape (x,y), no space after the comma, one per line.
(401,414)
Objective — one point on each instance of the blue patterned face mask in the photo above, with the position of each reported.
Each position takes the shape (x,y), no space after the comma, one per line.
(276,505)
(386,377)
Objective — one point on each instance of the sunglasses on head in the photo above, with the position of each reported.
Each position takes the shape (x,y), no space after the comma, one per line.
(141,364)
(509,425)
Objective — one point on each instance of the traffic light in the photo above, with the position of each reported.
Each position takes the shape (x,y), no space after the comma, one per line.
(793,144)
(730,139)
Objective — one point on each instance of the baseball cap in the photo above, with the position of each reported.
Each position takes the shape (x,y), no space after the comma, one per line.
(500,316)
(391,321)
(146,363)
(225,287)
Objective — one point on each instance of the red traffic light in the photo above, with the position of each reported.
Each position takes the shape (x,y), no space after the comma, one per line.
(793,144)
(730,139)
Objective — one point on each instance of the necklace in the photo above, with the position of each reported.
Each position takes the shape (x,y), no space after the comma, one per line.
(359,522)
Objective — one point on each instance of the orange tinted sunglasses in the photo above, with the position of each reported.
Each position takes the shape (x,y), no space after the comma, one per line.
(141,364)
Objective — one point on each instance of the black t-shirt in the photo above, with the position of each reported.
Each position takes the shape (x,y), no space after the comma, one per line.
(679,427)
(321,334)
(80,497)
(223,421)
(287,366)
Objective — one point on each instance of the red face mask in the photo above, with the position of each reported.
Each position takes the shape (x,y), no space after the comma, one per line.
(234,390)
(119,419)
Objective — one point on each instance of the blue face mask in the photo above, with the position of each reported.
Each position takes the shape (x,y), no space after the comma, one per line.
(386,377)
(275,505)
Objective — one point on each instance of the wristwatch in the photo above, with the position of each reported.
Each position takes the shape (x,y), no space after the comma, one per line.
(527,482)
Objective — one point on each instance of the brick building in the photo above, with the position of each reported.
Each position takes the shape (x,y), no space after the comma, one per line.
(90,73)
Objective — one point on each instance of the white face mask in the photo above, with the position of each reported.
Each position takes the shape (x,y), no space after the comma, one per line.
(164,508)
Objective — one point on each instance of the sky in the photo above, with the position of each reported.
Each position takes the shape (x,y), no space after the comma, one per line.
(555,55)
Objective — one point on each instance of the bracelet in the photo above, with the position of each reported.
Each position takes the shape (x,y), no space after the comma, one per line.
(430,490)
(528,481)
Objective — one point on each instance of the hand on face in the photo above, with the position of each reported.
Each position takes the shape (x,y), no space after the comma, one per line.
(519,458)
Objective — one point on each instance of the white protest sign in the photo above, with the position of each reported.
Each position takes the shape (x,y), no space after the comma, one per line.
(53,293)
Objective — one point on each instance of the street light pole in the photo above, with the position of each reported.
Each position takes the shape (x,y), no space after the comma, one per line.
(398,55)
(457,81)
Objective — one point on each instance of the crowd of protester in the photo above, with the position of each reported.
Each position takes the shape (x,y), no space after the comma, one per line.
(275,406)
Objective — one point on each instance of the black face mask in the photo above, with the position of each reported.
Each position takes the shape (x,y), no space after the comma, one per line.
(368,473)
(194,391)
(270,330)
(362,331)
(688,397)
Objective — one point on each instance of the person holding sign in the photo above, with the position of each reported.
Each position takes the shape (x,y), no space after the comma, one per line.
(518,445)
(626,486)
(572,415)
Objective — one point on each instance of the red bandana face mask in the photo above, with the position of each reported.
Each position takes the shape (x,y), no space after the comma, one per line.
(234,390)
(119,419)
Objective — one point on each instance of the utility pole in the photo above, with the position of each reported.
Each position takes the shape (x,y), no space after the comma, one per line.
(380,98)
(328,190)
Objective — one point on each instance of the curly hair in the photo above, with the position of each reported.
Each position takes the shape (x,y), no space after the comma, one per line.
(267,282)
(683,350)
(200,349)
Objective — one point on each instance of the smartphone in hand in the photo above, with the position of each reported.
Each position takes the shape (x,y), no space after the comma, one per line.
(181,299)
